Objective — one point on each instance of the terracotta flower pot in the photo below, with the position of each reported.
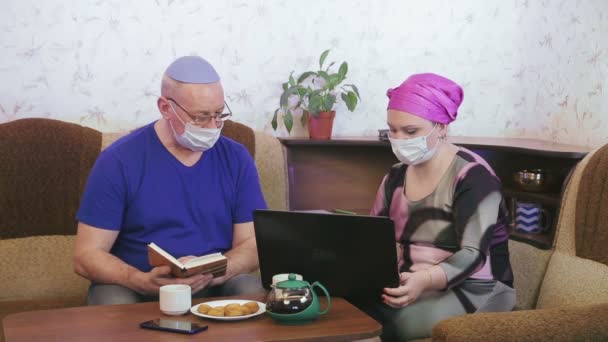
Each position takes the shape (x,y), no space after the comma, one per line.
(319,127)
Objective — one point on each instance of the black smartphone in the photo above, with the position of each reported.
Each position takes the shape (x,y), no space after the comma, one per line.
(182,327)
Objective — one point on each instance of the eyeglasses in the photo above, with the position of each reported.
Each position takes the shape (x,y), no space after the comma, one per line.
(204,119)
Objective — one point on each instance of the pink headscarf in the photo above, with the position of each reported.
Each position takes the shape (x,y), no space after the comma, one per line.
(428,96)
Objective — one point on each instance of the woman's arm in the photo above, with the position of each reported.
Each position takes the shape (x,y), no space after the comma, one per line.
(476,204)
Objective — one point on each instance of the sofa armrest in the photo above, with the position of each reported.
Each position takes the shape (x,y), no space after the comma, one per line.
(580,323)
(272,169)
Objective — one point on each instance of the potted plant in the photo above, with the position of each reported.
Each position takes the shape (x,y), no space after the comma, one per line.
(315,94)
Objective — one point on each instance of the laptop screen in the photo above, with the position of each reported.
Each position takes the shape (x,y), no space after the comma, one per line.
(351,255)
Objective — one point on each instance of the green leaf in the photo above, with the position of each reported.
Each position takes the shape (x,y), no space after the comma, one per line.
(329,66)
(350,99)
(343,69)
(334,79)
(322,58)
(353,101)
(314,103)
(329,102)
(305,75)
(292,81)
(285,96)
(303,119)
(274,119)
(355,89)
(316,92)
(285,86)
(324,75)
(346,99)
(288,120)
(302,92)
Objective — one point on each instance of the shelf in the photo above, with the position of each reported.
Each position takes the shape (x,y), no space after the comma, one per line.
(552,199)
(335,141)
(512,145)
(523,146)
(539,240)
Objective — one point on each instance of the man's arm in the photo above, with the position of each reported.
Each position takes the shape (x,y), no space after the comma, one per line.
(243,257)
(92,260)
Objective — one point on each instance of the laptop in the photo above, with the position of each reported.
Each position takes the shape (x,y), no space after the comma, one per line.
(351,255)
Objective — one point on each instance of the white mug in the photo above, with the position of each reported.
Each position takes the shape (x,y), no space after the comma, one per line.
(284,276)
(175,299)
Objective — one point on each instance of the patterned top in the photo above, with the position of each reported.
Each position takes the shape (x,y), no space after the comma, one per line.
(461,225)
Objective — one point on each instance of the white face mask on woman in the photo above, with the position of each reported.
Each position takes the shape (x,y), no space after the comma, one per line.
(414,151)
(197,139)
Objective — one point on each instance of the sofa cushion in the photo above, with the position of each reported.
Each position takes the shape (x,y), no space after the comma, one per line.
(108,139)
(529,265)
(270,162)
(44,166)
(571,280)
(591,215)
(39,267)
(576,323)
(241,133)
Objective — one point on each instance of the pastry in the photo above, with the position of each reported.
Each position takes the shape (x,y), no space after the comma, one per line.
(253,306)
(215,312)
(203,308)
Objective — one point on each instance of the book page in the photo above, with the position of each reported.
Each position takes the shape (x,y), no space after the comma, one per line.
(166,255)
(205,259)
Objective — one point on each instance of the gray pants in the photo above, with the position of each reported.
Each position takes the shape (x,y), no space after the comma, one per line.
(102,294)
(417,320)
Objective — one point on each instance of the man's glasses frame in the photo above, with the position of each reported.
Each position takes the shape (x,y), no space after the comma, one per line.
(204,119)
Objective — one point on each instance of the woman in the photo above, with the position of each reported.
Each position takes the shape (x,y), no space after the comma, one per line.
(450,221)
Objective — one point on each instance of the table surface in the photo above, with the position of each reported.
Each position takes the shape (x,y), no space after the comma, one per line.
(343,322)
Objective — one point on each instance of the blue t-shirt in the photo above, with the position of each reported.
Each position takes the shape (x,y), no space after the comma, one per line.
(140,189)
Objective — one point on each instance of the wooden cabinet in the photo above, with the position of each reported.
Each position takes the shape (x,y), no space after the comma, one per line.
(345,173)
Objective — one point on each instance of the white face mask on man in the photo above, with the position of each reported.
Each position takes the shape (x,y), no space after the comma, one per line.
(197,139)
(414,151)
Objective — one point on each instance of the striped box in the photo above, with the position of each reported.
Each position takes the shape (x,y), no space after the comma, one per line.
(529,217)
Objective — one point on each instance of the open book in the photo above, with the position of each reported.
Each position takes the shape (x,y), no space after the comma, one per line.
(211,263)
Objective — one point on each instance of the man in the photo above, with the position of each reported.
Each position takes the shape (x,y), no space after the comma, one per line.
(175,182)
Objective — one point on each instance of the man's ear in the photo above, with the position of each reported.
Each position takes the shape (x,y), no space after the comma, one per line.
(163,107)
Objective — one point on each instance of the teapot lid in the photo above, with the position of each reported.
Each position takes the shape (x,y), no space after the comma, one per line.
(292,283)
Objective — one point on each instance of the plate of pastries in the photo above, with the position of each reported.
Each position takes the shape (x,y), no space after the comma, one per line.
(229,309)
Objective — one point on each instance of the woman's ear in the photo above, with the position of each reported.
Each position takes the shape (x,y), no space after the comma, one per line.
(443,131)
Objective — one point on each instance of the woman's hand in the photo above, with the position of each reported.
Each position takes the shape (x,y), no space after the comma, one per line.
(399,256)
(411,286)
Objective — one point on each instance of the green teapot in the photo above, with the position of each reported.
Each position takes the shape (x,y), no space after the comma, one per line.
(294,302)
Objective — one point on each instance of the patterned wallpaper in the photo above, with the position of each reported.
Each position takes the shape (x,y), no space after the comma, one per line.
(530,68)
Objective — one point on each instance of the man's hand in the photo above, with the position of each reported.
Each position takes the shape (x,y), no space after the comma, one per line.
(200,283)
(411,286)
(149,283)
(92,260)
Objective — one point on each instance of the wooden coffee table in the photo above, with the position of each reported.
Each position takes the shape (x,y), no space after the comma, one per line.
(344,322)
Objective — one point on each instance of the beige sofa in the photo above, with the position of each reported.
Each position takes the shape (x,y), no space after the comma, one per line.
(37,224)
